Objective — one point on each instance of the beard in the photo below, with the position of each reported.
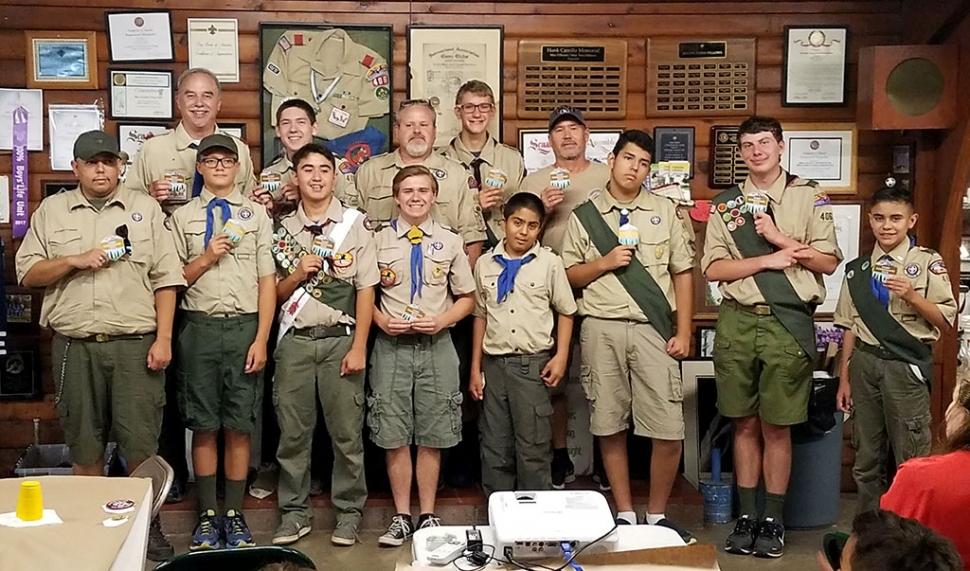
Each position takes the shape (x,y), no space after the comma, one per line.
(417,147)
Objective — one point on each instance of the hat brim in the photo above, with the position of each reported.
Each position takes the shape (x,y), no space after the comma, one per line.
(563,117)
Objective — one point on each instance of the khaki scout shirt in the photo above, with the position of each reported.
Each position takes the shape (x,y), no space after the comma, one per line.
(343,189)
(924,268)
(523,323)
(456,205)
(231,286)
(446,269)
(344,81)
(581,187)
(803,213)
(119,298)
(361,272)
(174,151)
(494,155)
(664,249)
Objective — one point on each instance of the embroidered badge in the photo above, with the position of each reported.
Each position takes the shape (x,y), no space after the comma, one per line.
(732,226)
(387,277)
(367,61)
(821,199)
(273,69)
(246,213)
(343,261)
(937,268)
(136,216)
(722,207)
(382,93)
(912,270)
(655,220)
(285,43)
(439,174)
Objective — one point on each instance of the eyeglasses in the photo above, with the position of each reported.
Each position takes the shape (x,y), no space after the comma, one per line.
(226,162)
(482,107)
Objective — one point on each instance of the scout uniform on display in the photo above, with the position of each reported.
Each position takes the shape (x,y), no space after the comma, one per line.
(455,206)
(346,83)
(104,320)
(891,369)
(764,350)
(316,332)
(172,155)
(414,377)
(496,163)
(519,300)
(344,189)
(576,188)
(628,314)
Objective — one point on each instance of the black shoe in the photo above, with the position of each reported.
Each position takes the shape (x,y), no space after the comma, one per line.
(683,533)
(599,476)
(174,493)
(563,471)
(400,530)
(159,549)
(771,539)
(621,521)
(741,540)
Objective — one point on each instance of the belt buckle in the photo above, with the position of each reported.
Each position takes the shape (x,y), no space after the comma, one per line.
(101,337)
(762,310)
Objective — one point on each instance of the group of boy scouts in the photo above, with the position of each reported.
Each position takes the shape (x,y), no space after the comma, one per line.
(418,243)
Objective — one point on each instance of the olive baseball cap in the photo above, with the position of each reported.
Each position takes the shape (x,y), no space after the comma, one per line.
(217,141)
(93,143)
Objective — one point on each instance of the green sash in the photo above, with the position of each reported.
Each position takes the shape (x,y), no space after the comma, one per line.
(794,314)
(323,287)
(890,334)
(635,278)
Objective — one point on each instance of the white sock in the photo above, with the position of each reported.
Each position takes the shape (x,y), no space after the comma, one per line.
(630,517)
(652,519)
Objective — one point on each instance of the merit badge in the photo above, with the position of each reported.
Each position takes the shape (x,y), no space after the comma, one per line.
(850,274)
(322,246)
(629,235)
(496,178)
(117,507)
(735,212)
(136,216)
(114,246)
(412,312)
(439,174)
(343,261)
(234,229)
(178,189)
(937,268)
(722,208)
(739,221)
(912,270)
(732,204)
(726,217)
(270,181)
(382,93)
(655,220)
(757,202)
(387,277)
(559,178)
(884,270)
(732,226)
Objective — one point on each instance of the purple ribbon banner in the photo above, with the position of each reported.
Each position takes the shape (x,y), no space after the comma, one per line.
(20,218)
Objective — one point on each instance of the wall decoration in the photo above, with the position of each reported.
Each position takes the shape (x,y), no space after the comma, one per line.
(534,145)
(823,152)
(814,69)
(62,60)
(144,36)
(692,77)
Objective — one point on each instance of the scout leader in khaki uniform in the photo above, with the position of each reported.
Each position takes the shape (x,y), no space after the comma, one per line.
(521,288)
(768,243)
(495,170)
(110,272)
(629,253)
(426,287)
(296,124)
(894,304)
(345,82)
(224,241)
(455,205)
(327,269)
(165,166)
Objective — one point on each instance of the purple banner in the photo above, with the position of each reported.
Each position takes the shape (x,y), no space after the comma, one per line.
(20,218)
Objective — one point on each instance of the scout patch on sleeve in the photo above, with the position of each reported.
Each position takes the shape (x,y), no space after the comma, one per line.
(285,43)
(439,174)
(821,199)
(273,69)
(937,268)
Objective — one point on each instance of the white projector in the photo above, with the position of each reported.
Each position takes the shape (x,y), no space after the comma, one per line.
(529,525)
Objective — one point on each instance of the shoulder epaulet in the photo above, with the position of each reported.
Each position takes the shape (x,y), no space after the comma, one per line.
(588,199)
(926,250)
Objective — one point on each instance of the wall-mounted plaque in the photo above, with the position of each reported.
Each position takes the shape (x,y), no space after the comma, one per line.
(19,375)
(727,166)
(587,74)
(700,77)
(675,144)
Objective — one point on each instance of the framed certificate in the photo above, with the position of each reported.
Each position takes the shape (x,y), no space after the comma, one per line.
(237,130)
(144,95)
(66,123)
(823,152)
(131,137)
(140,36)
(214,45)
(674,144)
(814,68)
(848,228)
(62,60)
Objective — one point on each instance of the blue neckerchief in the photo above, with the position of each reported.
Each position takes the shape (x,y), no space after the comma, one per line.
(225,212)
(510,268)
(197,180)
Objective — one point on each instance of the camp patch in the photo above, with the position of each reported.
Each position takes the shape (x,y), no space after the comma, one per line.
(822,199)
(378,75)
(937,268)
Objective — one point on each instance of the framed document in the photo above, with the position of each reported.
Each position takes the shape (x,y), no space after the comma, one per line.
(66,123)
(674,144)
(131,137)
(56,186)
(33,101)
(237,130)
(62,60)
(214,45)
(140,36)
(814,68)
(443,58)
(823,152)
(848,220)
(141,95)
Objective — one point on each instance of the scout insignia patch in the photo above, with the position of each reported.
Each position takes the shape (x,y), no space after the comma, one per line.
(912,270)
(136,216)
(372,225)
(382,93)
(439,174)
(937,268)
(357,153)
(346,167)
(821,199)
(246,213)
(437,272)
(378,75)
(273,69)
(387,277)
(297,39)
(655,220)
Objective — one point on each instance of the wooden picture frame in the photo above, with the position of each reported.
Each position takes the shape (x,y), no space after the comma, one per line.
(61,59)
(237,130)
(824,152)
(150,97)
(810,74)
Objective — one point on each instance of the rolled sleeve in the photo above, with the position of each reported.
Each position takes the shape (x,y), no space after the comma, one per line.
(822,232)
(562,293)
(33,249)
(715,243)
(167,269)
(574,243)
(265,264)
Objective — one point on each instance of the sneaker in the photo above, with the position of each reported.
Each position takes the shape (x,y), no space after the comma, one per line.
(174,493)
(236,531)
(683,533)
(345,534)
(624,521)
(290,531)
(601,480)
(206,534)
(400,530)
(159,549)
(771,539)
(741,540)
(428,520)
(563,471)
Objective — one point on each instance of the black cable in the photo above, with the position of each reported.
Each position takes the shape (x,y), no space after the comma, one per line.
(509,559)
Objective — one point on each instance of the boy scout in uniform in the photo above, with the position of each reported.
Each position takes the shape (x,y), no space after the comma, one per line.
(327,265)
(629,253)
(414,367)
(345,82)
(495,170)
(894,304)
(110,271)
(520,287)
(768,243)
(223,240)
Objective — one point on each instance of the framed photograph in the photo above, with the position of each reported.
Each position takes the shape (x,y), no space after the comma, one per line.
(814,69)
(237,130)
(704,428)
(534,145)
(848,231)
(20,308)
(823,152)
(349,95)
(57,186)
(214,45)
(62,60)
(132,136)
(825,333)
(143,36)
(704,337)
(442,58)
(903,157)
(146,95)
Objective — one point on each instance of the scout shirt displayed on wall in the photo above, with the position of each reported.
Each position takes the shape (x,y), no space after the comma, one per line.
(344,81)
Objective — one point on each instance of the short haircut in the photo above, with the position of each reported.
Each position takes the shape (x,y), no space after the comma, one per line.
(892,194)
(885,540)
(757,124)
(525,200)
(410,171)
(313,149)
(416,103)
(298,104)
(475,87)
(196,71)
(638,138)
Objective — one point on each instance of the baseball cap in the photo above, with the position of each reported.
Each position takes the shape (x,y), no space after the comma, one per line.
(566,112)
(217,141)
(93,143)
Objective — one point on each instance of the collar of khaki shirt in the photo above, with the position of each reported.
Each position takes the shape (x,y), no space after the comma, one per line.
(330,57)
(235,197)
(605,201)
(403,227)
(501,251)
(433,161)
(184,141)
(76,199)
(898,253)
(334,213)
(487,154)
(775,192)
